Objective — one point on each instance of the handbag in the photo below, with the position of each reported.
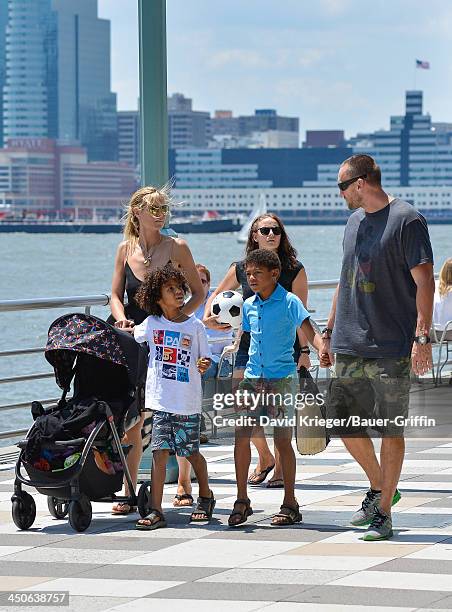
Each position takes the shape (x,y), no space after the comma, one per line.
(311,438)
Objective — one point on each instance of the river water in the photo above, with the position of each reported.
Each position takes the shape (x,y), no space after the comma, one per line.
(34,266)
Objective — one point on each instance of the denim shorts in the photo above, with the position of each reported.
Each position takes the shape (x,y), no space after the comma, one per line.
(178,433)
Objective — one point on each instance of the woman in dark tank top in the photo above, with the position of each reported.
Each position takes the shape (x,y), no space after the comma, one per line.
(293,278)
(144,249)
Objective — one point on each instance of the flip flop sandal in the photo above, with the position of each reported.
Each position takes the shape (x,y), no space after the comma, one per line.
(278,483)
(153,524)
(204,506)
(123,509)
(289,514)
(180,498)
(243,515)
(258,478)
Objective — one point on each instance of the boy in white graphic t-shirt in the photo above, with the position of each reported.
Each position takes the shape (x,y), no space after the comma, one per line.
(178,354)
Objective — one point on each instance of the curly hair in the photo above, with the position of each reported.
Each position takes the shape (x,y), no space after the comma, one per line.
(265,258)
(150,291)
(286,252)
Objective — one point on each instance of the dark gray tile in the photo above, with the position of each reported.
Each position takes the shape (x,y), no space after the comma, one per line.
(442,604)
(151,572)
(44,568)
(422,566)
(367,596)
(100,542)
(235,592)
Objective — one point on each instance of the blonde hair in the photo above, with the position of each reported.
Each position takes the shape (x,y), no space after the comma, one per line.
(445,278)
(145,196)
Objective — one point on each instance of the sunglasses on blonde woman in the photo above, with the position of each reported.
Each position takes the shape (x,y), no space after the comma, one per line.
(157,211)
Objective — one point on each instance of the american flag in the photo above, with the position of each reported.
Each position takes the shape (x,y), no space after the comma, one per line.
(421,64)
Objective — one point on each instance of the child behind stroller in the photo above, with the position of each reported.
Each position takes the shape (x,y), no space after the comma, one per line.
(73,452)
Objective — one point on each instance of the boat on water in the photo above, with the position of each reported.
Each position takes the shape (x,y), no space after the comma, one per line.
(210,223)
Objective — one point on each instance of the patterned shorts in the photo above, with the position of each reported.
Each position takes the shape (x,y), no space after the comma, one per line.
(178,433)
(369,393)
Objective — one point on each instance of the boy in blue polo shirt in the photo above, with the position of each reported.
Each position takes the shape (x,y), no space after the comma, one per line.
(272,317)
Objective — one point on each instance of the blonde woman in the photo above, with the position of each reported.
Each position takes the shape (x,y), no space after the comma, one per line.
(442,312)
(145,249)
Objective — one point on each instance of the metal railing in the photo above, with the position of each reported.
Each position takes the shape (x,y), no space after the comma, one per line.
(85,302)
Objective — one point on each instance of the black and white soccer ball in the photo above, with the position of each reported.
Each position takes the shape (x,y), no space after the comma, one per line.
(228,308)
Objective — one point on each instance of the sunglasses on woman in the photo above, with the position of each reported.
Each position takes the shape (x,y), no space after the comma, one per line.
(265,231)
(157,211)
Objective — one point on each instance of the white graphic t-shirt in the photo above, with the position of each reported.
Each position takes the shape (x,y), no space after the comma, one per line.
(173,383)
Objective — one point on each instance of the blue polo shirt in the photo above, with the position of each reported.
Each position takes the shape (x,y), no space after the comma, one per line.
(272,324)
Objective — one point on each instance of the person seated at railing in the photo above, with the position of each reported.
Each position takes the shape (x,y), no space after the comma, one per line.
(217,341)
(442,310)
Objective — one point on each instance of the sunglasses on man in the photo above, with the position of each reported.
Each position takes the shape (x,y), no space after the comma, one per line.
(344,185)
(265,231)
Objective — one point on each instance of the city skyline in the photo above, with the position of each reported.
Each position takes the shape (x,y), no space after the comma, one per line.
(298,60)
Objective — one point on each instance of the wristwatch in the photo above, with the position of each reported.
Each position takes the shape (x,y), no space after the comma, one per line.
(422,339)
(326,333)
(305,350)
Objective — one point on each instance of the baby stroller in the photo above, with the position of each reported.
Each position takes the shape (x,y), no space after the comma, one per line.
(72,452)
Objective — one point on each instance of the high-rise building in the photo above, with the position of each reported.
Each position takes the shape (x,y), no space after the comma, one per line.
(3,22)
(186,128)
(129,138)
(29,93)
(57,81)
(324,138)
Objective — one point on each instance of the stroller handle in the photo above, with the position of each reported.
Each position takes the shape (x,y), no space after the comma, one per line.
(58,444)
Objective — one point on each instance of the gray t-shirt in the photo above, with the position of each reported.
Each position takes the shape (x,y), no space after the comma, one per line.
(376,307)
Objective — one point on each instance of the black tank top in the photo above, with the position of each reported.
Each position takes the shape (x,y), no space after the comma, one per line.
(133,311)
(286,279)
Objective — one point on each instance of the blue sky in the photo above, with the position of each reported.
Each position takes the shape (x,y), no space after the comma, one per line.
(336,64)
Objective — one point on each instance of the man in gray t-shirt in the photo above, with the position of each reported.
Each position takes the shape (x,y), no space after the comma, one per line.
(378,327)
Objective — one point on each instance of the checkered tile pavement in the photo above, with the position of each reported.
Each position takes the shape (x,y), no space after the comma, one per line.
(319,565)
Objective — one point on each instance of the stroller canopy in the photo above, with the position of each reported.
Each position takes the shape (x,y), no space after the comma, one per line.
(78,333)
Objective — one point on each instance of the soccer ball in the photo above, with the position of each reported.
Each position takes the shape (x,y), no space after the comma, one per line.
(227,307)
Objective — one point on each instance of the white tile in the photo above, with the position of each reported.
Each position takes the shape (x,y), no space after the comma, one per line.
(192,605)
(397,580)
(105,587)
(199,553)
(286,606)
(310,607)
(11,550)
(437,450)
(439,551)
(317,562)
(426,510)
(259,576)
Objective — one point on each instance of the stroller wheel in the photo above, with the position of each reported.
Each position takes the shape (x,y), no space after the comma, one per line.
(144,498)
(80,513)
(23,510)
(57,507)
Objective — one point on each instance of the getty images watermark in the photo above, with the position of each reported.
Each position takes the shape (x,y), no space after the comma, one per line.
(276,409)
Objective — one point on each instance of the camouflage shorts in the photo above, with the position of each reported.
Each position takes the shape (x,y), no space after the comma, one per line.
(369,394)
